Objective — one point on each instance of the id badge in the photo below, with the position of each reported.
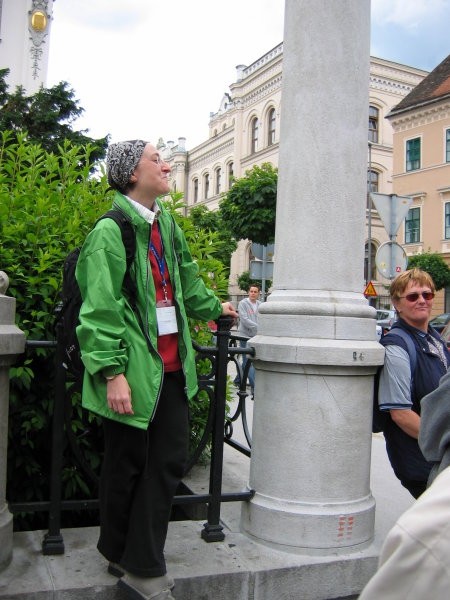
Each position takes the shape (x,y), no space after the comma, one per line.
(166,318)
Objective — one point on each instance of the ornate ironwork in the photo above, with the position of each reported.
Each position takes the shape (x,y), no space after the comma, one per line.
(217,431)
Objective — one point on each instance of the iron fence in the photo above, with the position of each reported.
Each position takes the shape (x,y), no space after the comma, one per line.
(218,431)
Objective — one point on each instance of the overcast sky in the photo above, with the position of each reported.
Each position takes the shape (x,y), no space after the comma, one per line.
(148,69)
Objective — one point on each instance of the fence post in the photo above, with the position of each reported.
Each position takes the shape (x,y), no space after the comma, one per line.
(212,530)
(12,343)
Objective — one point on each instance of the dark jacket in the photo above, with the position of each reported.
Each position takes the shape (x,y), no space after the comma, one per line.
(403,450)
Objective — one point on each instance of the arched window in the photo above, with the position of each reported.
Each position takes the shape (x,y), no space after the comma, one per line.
(206,186)
(230,174)
(195,189)
(374,122)
(372,180)
(373,270)
(254,135)
(218,180)
(271,123)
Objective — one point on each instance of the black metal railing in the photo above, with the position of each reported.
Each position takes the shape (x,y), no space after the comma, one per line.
(217,431)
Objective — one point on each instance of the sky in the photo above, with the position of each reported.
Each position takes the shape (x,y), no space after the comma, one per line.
(146,69)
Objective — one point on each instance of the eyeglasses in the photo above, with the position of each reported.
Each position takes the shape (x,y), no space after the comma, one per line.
(158,160)
(414,296)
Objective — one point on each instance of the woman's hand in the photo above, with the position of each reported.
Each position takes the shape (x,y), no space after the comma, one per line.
(118,395)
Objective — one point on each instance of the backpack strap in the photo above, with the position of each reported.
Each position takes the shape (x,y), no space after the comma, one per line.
(380,418)
(410,347)
(129,242)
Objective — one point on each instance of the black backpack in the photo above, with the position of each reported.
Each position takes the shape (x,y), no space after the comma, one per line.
(68,316)
(380,418)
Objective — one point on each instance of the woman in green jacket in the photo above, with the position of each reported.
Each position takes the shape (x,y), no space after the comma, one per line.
(140,368)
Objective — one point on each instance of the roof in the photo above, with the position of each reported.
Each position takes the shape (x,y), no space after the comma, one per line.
(434,87)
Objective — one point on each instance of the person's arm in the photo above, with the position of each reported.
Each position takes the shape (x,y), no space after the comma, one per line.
(199,301)
(395,390)
(102,332)
(407,420)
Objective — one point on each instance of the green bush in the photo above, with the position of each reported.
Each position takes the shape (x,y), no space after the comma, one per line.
(48,203)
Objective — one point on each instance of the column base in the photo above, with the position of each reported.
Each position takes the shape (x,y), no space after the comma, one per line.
(6,537)
(309,528)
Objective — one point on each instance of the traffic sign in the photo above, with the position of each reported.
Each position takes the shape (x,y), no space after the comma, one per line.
(392,210)
(258,251)
(391,259)
(260,269)
(370,290)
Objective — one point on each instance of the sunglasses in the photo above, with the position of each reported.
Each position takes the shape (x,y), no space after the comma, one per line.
(414,296)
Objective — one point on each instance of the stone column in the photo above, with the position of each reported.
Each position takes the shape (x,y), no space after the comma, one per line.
(12,343)
(316,349)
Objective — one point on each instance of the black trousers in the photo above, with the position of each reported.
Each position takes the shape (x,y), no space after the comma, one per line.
(140,474)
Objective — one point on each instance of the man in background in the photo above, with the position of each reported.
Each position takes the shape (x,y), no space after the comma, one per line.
(248,326)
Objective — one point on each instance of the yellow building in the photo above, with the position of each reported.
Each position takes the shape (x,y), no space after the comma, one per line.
(421,125)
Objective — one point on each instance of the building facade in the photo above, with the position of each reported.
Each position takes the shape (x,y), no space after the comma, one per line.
(421,167)
(245,132)
(24,42)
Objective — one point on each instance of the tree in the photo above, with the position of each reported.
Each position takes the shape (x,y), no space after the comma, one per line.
(211,221)
(47,117)
(248,209)
(434,265)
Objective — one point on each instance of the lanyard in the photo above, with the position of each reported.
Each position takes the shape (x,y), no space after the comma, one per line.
(161,264)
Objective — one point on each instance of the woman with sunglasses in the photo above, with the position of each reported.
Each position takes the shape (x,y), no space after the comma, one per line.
(401,391)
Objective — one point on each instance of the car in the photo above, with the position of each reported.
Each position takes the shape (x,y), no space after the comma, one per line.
(379,332)
(440,322)
(445,335)
(386,318)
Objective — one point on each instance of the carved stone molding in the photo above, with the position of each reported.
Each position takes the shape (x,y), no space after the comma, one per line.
(421,116)
(38,24)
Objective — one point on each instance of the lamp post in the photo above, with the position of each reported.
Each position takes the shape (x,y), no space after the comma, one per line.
(369,218)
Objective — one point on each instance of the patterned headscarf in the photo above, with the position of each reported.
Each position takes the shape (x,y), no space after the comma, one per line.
(121,161)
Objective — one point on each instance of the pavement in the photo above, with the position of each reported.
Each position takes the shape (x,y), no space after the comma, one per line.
(237,568)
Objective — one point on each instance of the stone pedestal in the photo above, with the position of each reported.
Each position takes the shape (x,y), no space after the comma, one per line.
(12,343)
(316,348)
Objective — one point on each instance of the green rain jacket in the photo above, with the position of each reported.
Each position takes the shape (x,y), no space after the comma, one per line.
(111,338)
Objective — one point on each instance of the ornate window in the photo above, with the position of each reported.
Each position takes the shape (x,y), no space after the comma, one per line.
(195,188)
(374,123)
(412,226)
(413,154)
(373,270)
(271,123)
(230,174)
(447,221)
(447,145)
(218,180)
(206,186)
(372,180)
(254,128)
